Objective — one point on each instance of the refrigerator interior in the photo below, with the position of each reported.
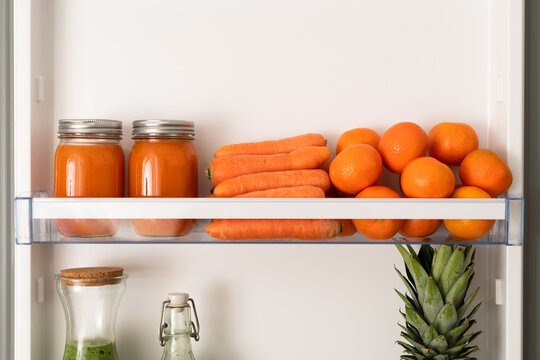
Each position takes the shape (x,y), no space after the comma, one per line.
(248,71)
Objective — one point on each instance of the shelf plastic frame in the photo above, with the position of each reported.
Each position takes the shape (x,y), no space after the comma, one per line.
(35,214)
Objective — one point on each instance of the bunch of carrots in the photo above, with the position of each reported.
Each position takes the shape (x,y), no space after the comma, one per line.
(286,168)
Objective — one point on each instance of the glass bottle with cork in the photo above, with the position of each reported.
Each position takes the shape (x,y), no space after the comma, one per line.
(91,298)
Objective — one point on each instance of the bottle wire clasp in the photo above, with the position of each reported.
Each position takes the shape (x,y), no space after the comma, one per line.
(163,325)
(195,326)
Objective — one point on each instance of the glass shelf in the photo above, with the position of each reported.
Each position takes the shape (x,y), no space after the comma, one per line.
(35,216)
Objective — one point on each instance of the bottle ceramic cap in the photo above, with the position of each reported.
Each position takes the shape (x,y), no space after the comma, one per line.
(178,298)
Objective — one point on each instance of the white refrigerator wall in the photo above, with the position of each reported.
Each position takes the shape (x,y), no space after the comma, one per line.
(253,70)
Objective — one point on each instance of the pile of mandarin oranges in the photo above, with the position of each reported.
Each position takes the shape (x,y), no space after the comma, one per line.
(402,149)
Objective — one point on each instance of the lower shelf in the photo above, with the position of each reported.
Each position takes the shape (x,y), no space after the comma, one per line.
(36,215)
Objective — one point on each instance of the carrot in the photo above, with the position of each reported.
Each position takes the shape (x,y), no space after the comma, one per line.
(226,167)
(270,180)
(244,229)
(272,146)
(305,191)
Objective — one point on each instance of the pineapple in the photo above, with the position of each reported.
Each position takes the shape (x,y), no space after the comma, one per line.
(435,303)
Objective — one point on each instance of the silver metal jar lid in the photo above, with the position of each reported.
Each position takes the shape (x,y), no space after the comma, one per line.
(164,129)
(92,128)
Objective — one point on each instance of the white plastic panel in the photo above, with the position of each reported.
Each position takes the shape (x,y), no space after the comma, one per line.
(226,208)
(252,70)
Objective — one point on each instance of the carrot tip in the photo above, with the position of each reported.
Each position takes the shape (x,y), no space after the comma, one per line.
(208,173)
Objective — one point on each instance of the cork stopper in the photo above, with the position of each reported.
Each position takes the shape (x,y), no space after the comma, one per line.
(92,276)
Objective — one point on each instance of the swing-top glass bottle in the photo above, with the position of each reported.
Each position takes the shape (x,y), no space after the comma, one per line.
(176,328)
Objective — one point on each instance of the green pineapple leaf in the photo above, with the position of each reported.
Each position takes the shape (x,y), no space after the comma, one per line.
(441,357)
(418,346)
(412,251)
(409,331)
(408,264)
(415,320)
(468,350)
(433,301)
(409,275)
(409,286)
(465,306)
(456,349)
(406,299)
(439,344)
(473,311)
(418,273)
(408,347)
(452,271)
(422,278)
(455,334)
(458,290)
(467,252)
(467,339)
(440,261)
(446,319)
(429,334)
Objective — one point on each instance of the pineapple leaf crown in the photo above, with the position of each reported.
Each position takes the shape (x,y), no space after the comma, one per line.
(437,282)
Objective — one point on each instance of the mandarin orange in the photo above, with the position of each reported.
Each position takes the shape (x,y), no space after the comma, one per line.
(427,177)
(420,227)
(355,168)
(357,136)
(484,169)
(401,144)
(469,229)
(378,229)
(348,228)
(451,142)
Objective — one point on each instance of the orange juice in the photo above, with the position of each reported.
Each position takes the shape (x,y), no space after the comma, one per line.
(163,163)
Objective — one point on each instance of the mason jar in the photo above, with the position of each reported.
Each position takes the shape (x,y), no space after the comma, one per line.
(163,163)
(89,162)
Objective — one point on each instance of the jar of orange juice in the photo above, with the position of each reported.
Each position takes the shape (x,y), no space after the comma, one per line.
(163,163)
(89,162)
